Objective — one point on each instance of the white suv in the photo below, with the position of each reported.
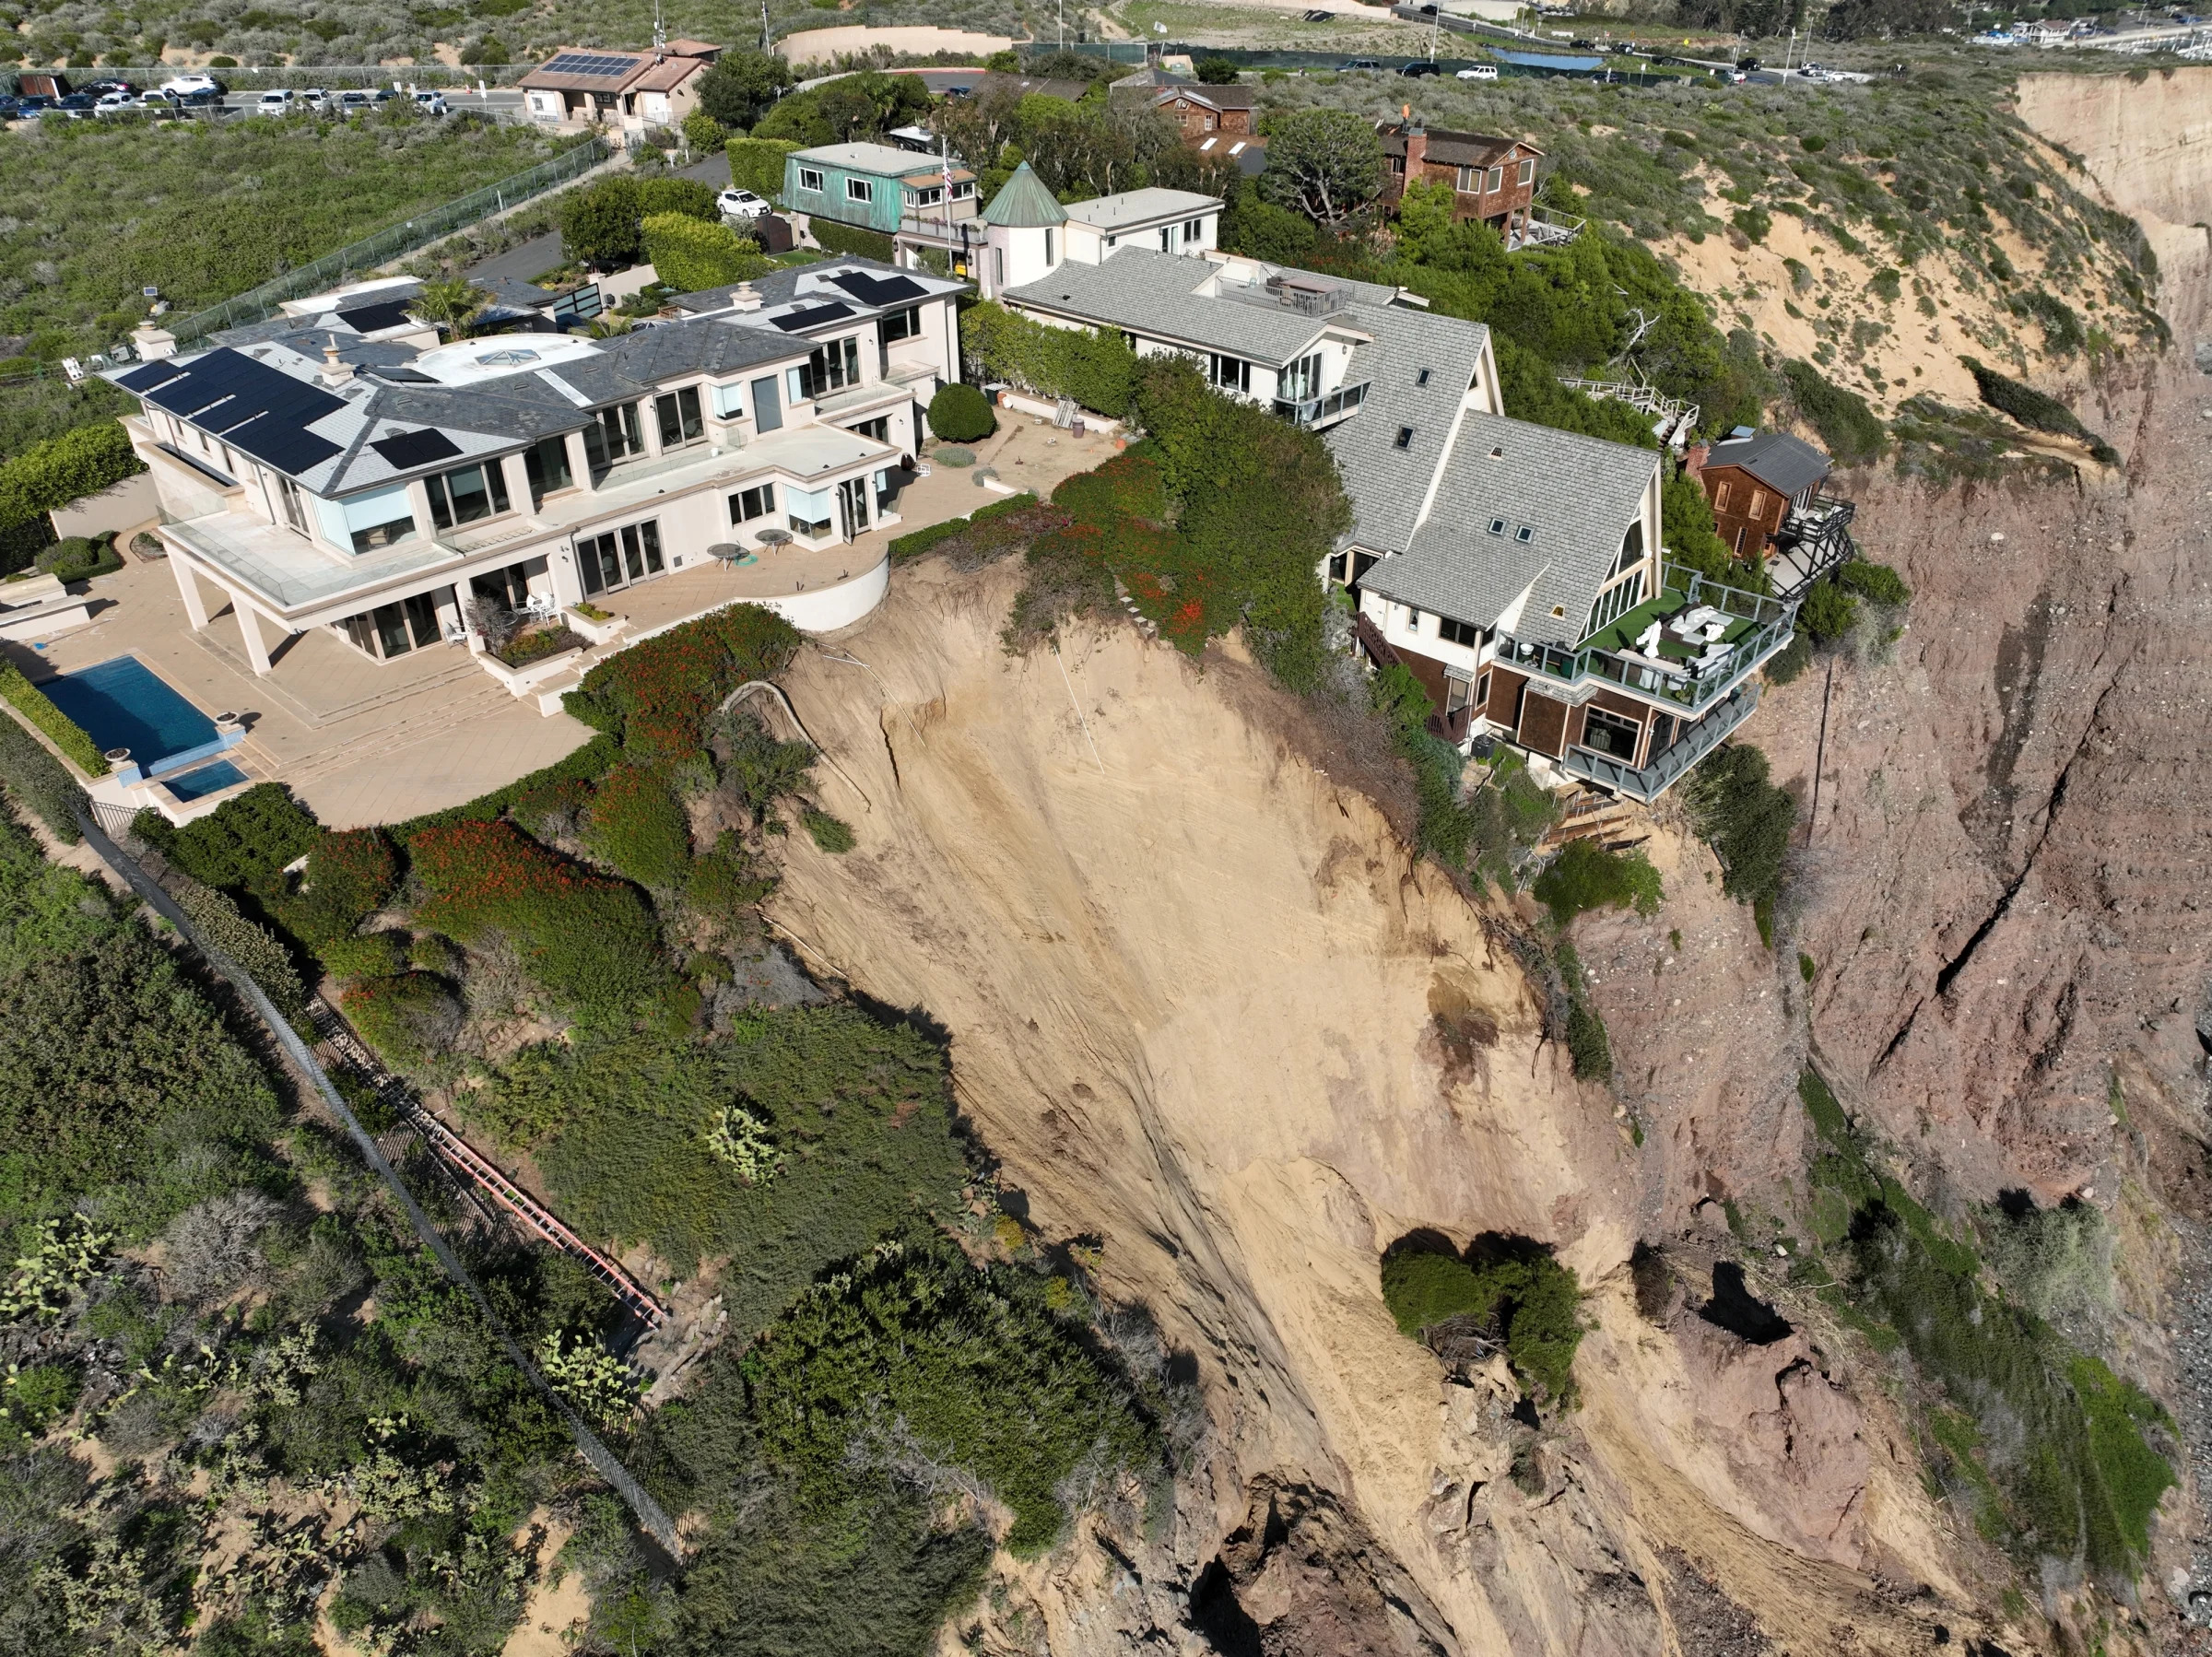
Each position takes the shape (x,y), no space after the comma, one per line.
(185,85)
(740,203)
(430,103)
(274,103)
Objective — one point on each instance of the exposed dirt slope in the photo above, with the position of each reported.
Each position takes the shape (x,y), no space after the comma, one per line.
(2146,145)
(1206,1011)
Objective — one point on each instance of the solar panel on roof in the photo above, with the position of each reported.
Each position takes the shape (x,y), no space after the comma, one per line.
(145,377)
(878,290)
(369,318)
(587,63)
(384,370)
(814,316)
(405,450)
(285,447)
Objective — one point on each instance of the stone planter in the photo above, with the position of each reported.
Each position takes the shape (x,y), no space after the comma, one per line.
(598,632)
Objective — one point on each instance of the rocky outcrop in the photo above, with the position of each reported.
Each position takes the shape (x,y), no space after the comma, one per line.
(1208,1011)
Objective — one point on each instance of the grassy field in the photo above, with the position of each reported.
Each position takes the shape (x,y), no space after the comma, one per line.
(1354,28)
(91,214)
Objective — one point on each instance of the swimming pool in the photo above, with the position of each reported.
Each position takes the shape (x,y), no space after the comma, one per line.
(122,704)
(208,779)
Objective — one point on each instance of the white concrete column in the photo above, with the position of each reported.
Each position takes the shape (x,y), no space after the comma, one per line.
(568,584)
(195,608)
(249,627)
(579,462)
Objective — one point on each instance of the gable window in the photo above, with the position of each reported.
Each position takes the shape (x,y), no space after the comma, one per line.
(859,189)
(1615,602)
(902,325)
(1404,437)
(1457,633)
(1232,373)
(613,434)
(747,504)
(546,465)
(1497,180)
(810,179)
(1528,172)
(1631,549)
(464,495)
(678,415)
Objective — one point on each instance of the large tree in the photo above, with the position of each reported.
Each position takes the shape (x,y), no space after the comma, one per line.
(1325,163)
(741,86)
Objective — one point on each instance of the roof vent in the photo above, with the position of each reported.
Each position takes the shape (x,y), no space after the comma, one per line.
(1404,437)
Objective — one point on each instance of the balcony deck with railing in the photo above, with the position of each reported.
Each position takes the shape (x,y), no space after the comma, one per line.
(1671,762)
(1324,410)
(1669,675)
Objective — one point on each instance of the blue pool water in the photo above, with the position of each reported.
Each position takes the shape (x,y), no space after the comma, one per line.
(208,779)
(124,704)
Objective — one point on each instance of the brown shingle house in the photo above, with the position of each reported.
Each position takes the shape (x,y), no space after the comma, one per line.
(1202,111)
(1754,480)
(1492,179)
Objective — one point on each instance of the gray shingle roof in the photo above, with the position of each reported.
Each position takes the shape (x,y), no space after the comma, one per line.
(1156,293)
(1387,483)
(1577,494)
(1778,460)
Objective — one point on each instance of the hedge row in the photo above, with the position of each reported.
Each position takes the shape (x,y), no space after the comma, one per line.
(692,257)
(913,545)
(1098,371)
(39,782)
(64,468)
(757,164)
(851,239)
(67,734)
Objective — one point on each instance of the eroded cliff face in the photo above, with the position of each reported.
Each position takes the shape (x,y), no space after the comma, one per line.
(1206,1010)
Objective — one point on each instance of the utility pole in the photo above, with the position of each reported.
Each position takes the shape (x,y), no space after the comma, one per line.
(1436,22)
(764,39)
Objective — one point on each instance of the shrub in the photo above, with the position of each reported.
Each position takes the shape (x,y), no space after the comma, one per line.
(64,468)
(1829,612)
(1744,818)
(861,243)
(2036,410)
(348,876)
(1791,660)
(376,956)
(636,824)
(244,841)
(1511,1289)
(256,950)
(757,164)
(410,1020)
(1852,431)
(960,414)
(39,782)
(658,696)
(1585,876)
(1754,222)
(703,131)
(1097,370)
(77,560)
(972,1367)
(917,542)
(724,885)
(1877,582)
(948,455)
(689,255)
(829,833)
(64,731)
(590,943)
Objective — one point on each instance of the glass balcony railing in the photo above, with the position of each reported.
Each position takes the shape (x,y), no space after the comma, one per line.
(1687,684)
(1321,411)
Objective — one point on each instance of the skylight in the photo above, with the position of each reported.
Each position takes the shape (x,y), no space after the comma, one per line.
(1497,526)
(1524,535)
(1404,437)
(1421,378)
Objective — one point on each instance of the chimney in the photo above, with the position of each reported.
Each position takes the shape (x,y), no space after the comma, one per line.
(334,371)
(1417,150)
(745,299)
(1693,463)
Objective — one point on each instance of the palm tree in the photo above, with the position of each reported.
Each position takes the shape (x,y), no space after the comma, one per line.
(451,306)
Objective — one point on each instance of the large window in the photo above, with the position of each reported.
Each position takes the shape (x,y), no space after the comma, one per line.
(677,414)
(1615,602)
(1302,380)
(806,512)
(747,504)
(729,402)
(394,630)
(1497,180)
(810,179)
(902,325)
(829,367)
(619,557)
(365,522)
(613,435)
(1457,633)
(1610,733)
(1528,172)
(859,189)
(466,495)
(1232,373)
(546,464)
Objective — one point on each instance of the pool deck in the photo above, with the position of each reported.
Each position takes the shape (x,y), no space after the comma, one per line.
(363,742)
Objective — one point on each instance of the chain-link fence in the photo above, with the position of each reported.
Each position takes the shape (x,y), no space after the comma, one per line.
(392,243)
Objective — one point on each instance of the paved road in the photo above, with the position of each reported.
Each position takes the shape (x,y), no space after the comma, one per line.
(542,252)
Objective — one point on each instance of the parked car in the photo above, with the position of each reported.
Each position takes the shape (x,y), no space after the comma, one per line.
(1583,45)
(9,107)
(740,203)
(189,85)
(354,101)
(101,89)
(276,102)
(432,103)
(1478,72)
(30,103)
(1355,65)
(1747,64)
(77,106)
(1418,68)
(314,98)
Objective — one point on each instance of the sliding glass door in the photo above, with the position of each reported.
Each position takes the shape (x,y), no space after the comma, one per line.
(620,557)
